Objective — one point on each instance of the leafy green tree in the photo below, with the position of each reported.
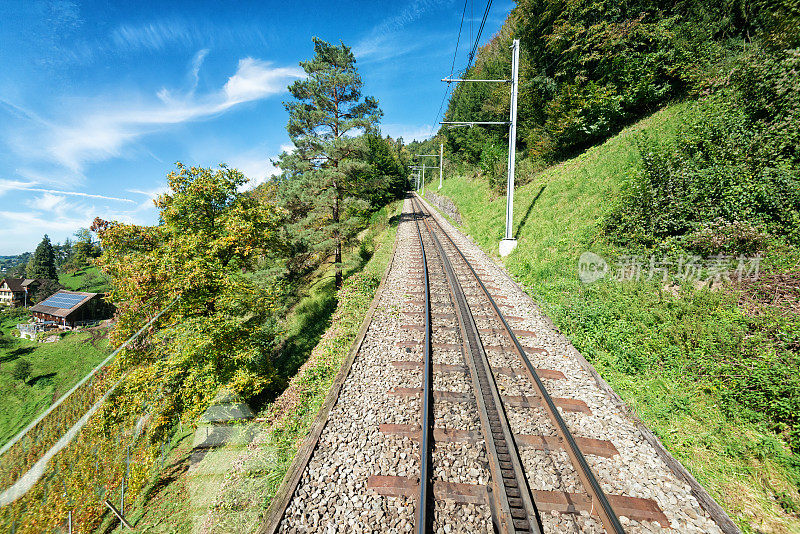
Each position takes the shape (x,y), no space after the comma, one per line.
(47,288)
(82,251)
(18,271)
(321,176)
(209,249)
(43,262)
(385,179)
(63,252)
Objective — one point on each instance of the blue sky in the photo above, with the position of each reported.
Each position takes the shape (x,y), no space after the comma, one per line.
(98,100)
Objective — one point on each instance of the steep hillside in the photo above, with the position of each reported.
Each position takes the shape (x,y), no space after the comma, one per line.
(666,349)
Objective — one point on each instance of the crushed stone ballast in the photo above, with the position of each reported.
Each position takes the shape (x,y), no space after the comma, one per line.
(360,471)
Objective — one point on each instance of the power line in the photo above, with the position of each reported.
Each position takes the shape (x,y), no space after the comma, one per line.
(453,64)
(478,37)
(460,26)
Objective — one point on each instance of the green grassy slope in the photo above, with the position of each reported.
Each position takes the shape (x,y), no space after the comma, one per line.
(55,367)
(649,344)
(87,279)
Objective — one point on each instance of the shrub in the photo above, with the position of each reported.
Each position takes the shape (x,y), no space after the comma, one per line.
(494,165)
(13,313)
(22,370)
(717,169)
(723,237)
(525,170)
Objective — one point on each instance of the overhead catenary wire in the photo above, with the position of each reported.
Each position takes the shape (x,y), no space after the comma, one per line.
(472,53)
(452,65)
(478,37)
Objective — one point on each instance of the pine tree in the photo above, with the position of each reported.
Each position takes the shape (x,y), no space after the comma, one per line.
(320,177)
(43,263)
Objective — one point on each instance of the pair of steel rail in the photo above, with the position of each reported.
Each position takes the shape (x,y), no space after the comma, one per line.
(510,498)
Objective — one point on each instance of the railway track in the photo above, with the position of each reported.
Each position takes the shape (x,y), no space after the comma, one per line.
(453,289)
(463,412)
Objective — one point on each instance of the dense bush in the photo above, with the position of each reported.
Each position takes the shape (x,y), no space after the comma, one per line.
(493,165)
(13,313)
(734,161)
(723,237)
(22,370)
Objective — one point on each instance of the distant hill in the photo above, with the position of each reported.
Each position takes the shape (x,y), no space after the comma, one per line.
(9,262)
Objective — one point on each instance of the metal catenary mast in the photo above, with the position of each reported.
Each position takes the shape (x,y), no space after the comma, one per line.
(508,243)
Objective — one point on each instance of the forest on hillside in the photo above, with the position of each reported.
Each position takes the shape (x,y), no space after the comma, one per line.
(588,69)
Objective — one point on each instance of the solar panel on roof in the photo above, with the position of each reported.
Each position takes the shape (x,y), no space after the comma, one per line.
(63,300)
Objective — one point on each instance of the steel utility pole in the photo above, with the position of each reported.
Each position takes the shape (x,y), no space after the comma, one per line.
(423,181)
(441,163)
(440,155)
(416,176)
(508,243)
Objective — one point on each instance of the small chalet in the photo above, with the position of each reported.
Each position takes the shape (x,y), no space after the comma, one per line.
(18,291)
(68,309)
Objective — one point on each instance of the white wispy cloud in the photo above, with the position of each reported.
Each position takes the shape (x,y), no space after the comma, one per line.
(197,62)
(155,35)
(158,35)
(23,229)
(79,194)
(256,79)
(150,196)
(102,129)
(46,202)
(256,165)
(60,214)
(14,185)
(381,40)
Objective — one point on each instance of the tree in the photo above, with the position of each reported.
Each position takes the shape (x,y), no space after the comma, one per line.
(5,341)
(386,177)
(47,288)
(208,249)
(22,370)
(82,250)
(320,177)
(63,252)
(43,262)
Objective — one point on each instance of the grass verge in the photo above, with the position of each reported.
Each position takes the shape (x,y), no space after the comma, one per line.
(666,354)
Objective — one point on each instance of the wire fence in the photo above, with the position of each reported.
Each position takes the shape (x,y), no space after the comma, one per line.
(82,458)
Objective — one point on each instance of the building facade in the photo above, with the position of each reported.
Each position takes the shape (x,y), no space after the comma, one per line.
(18,291)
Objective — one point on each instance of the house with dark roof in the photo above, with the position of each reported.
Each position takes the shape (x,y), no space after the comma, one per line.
(18,291)
(68,309)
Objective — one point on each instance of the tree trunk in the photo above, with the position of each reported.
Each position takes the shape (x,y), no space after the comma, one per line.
(338,238)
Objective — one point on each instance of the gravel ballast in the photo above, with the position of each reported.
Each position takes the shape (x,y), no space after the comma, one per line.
(332,494)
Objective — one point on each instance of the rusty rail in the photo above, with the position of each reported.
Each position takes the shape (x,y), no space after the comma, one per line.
(510,498)
(600,502)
